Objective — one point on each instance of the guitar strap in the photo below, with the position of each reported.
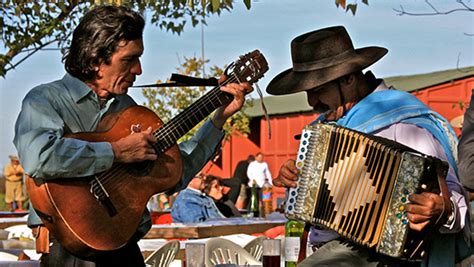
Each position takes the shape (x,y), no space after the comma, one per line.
(178,80)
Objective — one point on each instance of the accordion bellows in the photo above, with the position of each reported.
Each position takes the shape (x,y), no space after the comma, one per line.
(358,185)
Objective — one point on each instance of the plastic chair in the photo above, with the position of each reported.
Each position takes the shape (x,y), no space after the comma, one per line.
(163,256)
(223,251)
(255,247)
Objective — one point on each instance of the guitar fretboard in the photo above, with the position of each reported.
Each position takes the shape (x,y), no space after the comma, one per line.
(169,134)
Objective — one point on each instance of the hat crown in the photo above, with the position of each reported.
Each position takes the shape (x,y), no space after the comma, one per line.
(321,44)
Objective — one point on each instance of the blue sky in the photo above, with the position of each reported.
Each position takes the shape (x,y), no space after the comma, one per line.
(416,45)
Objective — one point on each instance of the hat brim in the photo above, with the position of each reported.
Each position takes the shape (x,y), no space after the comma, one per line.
(289,81)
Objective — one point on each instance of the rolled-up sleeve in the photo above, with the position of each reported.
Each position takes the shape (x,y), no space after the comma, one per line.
(466,149)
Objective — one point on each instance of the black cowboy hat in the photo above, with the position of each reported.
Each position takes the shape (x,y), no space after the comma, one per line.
(322,56)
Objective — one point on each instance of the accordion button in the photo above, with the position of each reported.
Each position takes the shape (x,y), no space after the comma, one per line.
(423,186)
(399,215)
(405,221)
(401,208)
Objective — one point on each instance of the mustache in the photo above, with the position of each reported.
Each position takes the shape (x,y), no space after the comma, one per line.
(321,108)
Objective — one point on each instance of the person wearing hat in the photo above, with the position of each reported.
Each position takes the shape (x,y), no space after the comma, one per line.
(328,68)
(13,173)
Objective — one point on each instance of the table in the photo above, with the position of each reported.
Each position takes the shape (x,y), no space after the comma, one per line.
(214,228)
(7,222)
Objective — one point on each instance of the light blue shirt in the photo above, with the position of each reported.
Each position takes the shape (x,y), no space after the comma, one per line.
(69,106)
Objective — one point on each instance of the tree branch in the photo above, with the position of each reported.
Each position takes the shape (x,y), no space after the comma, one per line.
(464,8)
(32,51)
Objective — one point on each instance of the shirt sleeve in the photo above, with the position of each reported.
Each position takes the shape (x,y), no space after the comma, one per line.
(43,149)
(197,151)
(423,141)
(268,174)
(466,149)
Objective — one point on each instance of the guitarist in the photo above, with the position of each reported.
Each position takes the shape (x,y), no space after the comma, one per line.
(101,63)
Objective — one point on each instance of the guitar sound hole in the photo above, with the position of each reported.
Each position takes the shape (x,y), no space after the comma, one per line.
(140,168)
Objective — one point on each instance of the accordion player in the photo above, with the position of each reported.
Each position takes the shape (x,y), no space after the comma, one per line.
(358,184)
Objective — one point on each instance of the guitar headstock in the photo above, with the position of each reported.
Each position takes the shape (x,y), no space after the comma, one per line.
(250,67)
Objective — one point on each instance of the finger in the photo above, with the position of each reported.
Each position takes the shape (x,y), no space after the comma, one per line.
(148,134)
(290,165)
(222,78)
(151,157)
(418,226)
(417,218)
(283,182)
(150,151)
(418,198)
(417,209)
(237,89)
(288,174)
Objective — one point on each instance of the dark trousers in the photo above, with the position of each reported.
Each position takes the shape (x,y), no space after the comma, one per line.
(129,255)
(345,254)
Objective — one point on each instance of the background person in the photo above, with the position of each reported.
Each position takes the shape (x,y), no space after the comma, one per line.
(13,173)
(240,174)
(194,205)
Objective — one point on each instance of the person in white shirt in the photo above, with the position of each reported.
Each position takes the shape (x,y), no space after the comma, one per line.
(258,170)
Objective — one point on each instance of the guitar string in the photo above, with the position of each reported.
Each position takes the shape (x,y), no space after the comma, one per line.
(104,178)
(119,169)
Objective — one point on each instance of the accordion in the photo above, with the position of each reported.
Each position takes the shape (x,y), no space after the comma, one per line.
(358,184)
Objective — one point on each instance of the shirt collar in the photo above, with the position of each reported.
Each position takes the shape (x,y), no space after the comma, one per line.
(76,87)
(80,89)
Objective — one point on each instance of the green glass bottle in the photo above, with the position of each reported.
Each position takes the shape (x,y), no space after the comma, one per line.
(254,207)
(293,233)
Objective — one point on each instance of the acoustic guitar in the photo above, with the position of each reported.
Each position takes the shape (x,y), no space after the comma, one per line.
(101,213)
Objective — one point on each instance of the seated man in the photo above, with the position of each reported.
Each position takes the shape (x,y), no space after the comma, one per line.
(192,205)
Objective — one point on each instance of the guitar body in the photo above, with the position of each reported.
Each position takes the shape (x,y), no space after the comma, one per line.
(81,222)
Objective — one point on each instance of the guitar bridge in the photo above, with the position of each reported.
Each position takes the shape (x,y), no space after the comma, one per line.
(101,194)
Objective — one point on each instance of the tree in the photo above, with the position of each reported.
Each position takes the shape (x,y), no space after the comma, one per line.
(463,7)
(167,102)
(29,26)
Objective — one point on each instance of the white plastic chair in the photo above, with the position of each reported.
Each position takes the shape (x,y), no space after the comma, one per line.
(223,251)
(255,247)
(163,256)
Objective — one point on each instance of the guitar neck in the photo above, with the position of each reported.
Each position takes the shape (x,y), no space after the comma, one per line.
(178,126)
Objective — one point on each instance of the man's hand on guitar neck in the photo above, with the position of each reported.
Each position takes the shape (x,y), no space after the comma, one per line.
(238,91)
(135,147)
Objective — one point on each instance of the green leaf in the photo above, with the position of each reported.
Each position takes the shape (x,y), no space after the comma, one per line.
(352,8)
(215,5)
(247,3)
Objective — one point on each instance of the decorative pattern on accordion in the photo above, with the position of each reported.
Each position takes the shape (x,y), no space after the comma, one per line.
(357,185)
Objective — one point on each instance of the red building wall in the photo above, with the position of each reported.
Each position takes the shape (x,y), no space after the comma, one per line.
(444,99)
